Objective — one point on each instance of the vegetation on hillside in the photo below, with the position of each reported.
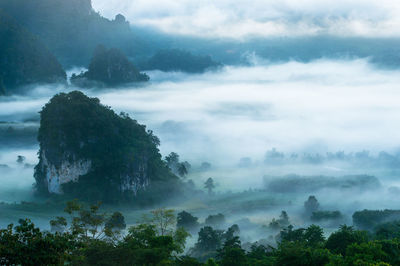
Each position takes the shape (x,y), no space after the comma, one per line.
(71,29)
(108,67)
(179,60)
(24,59)
(76,127)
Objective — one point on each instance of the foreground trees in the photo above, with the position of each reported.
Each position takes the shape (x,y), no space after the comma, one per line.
(26,244)
(90,237)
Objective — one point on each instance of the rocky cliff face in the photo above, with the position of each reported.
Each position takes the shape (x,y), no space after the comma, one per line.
(86,150)
(65,173)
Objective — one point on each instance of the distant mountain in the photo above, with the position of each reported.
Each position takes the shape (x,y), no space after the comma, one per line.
(179,60)
(71,28)
(24,59)
(108,67)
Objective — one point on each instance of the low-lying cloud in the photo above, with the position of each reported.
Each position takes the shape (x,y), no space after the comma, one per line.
(224,116)
(244,111)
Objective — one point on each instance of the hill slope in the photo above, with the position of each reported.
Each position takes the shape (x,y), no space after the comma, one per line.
(89,152)
(24,59)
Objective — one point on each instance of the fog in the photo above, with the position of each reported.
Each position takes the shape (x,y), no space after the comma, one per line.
(244,111)
(231,118)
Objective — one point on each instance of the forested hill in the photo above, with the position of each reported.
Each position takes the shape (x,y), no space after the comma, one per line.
(71,29)
(24,59)
(89,152)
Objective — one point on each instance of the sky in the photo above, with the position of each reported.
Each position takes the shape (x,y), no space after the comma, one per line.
(239,19)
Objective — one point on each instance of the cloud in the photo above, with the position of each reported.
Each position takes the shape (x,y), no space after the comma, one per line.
(241,18)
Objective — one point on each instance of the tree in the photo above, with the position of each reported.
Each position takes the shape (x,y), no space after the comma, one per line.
(282,222)
(344,237)
(89,223)
(25,244)
(232,253)
(215,220)
(164,220)
(115,222)
(209,240)
(314,235)
(187,221)
(292,253)
(21,159)
(284,219)
(182,170)
(260,255)
(209,185)
(172,159)
(175,166)
(388,230)
(232,232)
(367,253)
(145,246)
(292,235)
(311,205)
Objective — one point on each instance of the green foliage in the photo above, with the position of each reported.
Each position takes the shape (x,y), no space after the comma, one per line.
(108,67)
(25,244)
(178,60)
(178,168)
(314,236)
(124,156)
(346,236)
(368,219)
(292,253)
(24,59)
(147,244)
(232,253)
(365,253)
(208,242)
(163,219)
(89,223)
(282,222)
(187,221)
(261,255)
(388,230)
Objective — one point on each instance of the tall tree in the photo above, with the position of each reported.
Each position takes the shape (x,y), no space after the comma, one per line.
(209,185)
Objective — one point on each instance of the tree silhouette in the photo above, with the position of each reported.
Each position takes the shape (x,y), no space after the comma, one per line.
(209,185)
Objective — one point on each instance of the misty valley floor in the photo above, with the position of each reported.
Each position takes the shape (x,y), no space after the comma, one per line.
(230,119)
